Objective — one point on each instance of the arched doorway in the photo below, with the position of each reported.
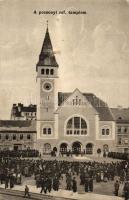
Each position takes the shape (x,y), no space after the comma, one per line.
(76,147)
(105,150)
(47,148)
(89,148)
(63,148)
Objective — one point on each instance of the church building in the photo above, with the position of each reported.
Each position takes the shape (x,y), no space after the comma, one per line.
(75,121)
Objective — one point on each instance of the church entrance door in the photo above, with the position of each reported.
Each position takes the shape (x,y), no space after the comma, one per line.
(76,147)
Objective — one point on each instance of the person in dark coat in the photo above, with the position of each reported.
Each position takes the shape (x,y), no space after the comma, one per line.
(49,184)
(82,178)
(56,183)
(126,190)
(86,183)
(12,180)
(68,182)
(42,185)
(91,184)
(6,181)
(116,187)
(74,187)
(45,184)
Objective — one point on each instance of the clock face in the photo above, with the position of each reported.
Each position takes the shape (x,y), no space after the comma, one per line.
(47,86)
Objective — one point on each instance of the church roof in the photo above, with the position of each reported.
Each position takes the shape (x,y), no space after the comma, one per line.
(100,106)
(121,115)
(47,57)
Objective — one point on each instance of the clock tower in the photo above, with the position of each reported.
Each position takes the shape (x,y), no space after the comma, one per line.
(47,74)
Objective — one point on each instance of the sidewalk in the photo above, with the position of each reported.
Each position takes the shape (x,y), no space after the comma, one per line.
(61,194)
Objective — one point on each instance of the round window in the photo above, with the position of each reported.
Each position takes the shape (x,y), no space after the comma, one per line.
(47,86)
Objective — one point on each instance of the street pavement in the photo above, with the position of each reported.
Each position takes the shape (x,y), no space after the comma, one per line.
(101,191)
(8,197)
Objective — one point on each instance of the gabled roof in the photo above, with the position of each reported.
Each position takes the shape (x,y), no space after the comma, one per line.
(47,57)
(121,115)
(100,106)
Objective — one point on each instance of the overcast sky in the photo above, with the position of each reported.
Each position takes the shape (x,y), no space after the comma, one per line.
(92,50)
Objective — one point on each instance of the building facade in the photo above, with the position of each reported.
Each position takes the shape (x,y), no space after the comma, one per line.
(121,116)
(21,112)
(75,121)
(17,135)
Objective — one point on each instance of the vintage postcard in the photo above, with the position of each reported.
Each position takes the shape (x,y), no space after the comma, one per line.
(64,99)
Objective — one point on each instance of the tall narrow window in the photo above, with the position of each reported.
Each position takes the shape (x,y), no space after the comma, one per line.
(14,137)
(21,136)
(28,137)
(107,131)
(52,71)
(7,137)
(45,131)
(49,131)
(103,131)
(42,71)
(47,71)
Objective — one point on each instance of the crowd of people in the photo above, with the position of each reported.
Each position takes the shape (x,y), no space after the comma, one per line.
(118,155)
(19,153)
(53,174)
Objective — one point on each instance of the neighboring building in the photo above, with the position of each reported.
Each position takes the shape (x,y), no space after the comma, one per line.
(21,112)
(73,121)
(121,116)
(17,135)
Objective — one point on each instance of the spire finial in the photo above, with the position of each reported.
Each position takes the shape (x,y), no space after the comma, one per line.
(47,24)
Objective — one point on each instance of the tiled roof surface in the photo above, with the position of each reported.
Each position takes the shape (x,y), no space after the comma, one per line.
(101,107)
(121,115)
(18,125)
(47,57)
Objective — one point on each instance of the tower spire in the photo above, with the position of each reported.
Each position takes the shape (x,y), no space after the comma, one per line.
(47,57)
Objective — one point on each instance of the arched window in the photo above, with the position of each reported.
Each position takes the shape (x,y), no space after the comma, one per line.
(47,131)
(89,148)
(52,71)
(63,147)
(47,71)
(42,71)
(105,131)
(44,131)
(76,126)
